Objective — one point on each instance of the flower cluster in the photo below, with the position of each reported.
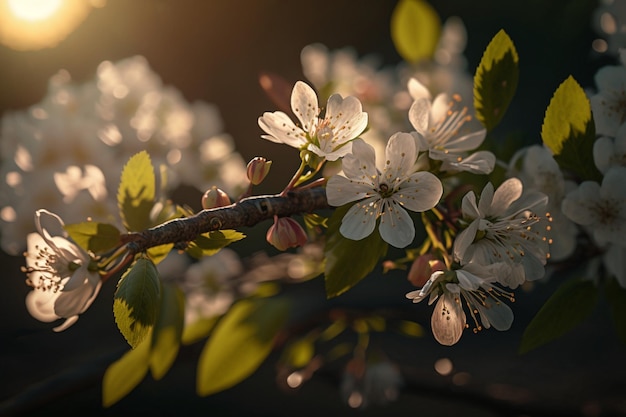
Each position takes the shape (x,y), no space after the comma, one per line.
(64,152)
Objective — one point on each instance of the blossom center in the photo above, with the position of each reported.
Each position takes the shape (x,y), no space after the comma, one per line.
(51,269)
(384,190)
(449,124)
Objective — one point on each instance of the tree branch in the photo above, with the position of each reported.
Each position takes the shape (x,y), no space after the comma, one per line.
(247,212)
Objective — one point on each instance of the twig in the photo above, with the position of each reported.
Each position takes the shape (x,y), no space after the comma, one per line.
(247,212)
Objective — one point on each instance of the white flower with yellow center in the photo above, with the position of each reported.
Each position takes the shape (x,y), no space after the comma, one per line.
(329,136)
(601,208)
(64,279)
(504,227)
(473,285)
(444,129)
(383,195)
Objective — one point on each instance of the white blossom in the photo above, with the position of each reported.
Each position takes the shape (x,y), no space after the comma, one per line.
(444,129)
(601,208)
(608,105)
(64,280)
(473,285)
(609,152)
(504,227)
(385,195)
(328,136)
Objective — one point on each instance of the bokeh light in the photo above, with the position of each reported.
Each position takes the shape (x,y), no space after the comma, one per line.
(38,24)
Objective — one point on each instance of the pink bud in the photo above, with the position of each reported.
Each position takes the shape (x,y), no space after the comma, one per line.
(423,267)
(214,197)
(286,233)
(258,168)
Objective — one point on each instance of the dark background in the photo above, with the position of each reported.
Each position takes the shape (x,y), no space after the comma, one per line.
(214,51)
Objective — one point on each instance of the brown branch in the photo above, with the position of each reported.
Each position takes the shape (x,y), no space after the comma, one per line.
(247,212)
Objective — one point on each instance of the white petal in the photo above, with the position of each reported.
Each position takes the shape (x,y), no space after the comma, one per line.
(486,197)
(509,191)
(67,323)
(281,129)
(419,114)
(439,109)
(481,162)
(448,320)
(417,90)
(304,105)
(340,190)
(420,192)
(346,117)
(401,156)
(576,204)
(463,143)
(360,221)
(361,165)
(603,151)
(396,226)
(496,314)
(464,240)
(40,305)
(615,260)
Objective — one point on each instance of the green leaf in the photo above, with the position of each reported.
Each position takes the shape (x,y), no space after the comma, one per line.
(198,330)
(136,193)
(136,301)
(348,261)
(158,253)
(94,236)
(569,131)
(495,80)
(298,353)
(410,328)
(616,296)
(240,343)
(570,304)
(415,30)
(168,330)
(208,244)
(123,375)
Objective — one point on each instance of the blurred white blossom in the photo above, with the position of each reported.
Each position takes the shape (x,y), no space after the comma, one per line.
(66,152)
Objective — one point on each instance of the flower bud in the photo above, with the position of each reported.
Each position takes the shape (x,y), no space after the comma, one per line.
(286,233)
(257,170)
(423,267)
(214,197)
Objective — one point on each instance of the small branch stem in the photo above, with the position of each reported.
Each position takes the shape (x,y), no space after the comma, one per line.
(247,212)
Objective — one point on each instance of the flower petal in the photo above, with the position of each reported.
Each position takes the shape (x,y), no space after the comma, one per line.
(281,129)
(401,155)
(304,105)
(509,191)
(396,226)
(464,240)
(495,313)
(361,164)
(360,221)
(420,192)
(346,117)
(340,190)
(419,114)
(417,90)
(448,320)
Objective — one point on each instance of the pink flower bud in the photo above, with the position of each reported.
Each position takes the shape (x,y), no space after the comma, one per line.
(214,197)
(286,233)
(258,168)
(423,267)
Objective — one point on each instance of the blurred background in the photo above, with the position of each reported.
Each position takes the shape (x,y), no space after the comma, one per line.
(215,51)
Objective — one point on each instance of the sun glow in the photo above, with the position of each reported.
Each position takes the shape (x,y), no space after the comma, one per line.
(34,10)
(37,24)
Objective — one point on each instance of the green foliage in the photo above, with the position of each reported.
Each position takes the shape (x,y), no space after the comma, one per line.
(569,131)
(156,352)
(208,244)
(136,193)
(570,304)
(198,330)
(495,80)
(168,330)
(158,253)
(94,236)
(123,375)
(240,342)
(136,301)
(348,261)
(410,328)
(298,353)
(415,30)
(616,296)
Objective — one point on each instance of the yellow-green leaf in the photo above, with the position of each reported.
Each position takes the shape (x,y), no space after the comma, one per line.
(136,301)
(198,330)
(415,30)
(495,80)
(168,329)
(298,353)
(136,193)
(240,342)
(158,253)
(208,244)
(569,131)
(341,270)
(123,375)
(94,236)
